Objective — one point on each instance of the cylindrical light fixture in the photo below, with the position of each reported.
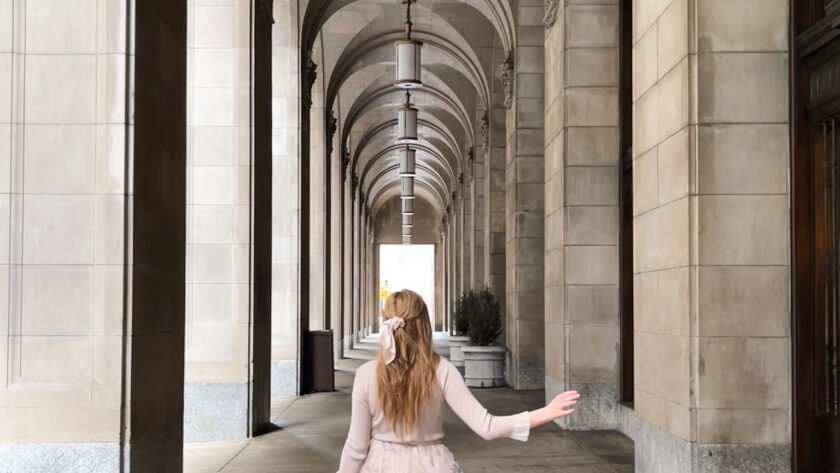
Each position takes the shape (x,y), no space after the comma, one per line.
(406,230)
(407,167)
(406,239)
(408,64)
(408,220)
(407,122)
(407,187)
(407,206)
(408,56)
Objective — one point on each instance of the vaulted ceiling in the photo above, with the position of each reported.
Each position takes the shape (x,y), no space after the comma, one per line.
(465,42)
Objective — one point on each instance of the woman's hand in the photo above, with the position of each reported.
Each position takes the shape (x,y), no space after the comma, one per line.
(563,403)
(560,406)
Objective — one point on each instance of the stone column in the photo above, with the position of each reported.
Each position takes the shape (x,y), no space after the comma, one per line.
(494,203)
(476,183)
(440,281)
(453,257)
(711,236)
(465,205)
(524,195)
(220,272)
(334,222)
(347,258)
(315,232)
(581,210)
(444,250)
(458,237)
(363,282)
(92,200)
(354,330)
(450,303)
(371,278)
(285,210)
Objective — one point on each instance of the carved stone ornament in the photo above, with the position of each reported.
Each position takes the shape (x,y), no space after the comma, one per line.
(345,162)
(551,9)
(310,73)
(470,162)
(484,129)
(332,126)
(267,10)
(507,80)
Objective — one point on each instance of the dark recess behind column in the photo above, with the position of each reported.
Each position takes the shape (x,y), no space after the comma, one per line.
(625,163)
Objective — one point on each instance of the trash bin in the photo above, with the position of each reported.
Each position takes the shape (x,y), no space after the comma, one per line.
(318,367)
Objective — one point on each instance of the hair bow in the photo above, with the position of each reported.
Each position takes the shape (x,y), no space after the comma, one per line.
(387,343)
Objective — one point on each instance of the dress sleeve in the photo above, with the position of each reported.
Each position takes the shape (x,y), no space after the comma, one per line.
(358,438)
(464,404)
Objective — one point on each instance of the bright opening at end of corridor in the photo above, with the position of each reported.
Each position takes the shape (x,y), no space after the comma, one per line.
(407,267)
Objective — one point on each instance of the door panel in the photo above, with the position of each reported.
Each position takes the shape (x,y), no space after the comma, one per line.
(815,232)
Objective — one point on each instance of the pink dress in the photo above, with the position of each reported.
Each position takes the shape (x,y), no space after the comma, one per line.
(372,447)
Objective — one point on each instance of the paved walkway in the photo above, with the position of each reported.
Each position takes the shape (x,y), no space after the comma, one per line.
(312,430)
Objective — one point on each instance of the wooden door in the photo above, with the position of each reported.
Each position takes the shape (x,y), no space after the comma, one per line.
(815,178)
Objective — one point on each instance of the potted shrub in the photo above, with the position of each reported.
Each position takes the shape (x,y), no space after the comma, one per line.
(464,308)
(484,363)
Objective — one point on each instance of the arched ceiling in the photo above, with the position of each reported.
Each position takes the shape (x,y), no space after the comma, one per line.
(464,43)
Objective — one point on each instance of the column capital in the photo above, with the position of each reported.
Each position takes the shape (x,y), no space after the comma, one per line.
(345,161)
(332,126)
(552,7)
(266,10)
(484,129)
(507,79)
(310,72)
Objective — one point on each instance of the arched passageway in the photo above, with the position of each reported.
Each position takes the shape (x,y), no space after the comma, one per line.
(193,196)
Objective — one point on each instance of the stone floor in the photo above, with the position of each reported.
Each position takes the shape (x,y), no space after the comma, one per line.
(312,429)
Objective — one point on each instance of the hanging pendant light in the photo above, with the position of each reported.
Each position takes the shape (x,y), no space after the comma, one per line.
(407,122)
(407,168)
(408,220)
(407,185)
(408,56)
(407,206)
(406,239)
(406,230)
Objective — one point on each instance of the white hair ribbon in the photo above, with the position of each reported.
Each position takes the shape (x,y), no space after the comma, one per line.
(386,342)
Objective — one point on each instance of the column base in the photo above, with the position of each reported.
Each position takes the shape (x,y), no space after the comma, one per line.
(215,412)
(283,378)
(658,451)
(598,412)
(529,375)
(64,457)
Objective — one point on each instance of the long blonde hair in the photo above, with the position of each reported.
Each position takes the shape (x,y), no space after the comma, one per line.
(405,384)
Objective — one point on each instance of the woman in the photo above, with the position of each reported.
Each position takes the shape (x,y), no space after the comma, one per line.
(397,420)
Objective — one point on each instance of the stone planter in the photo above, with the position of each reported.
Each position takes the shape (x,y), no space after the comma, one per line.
(484,367)
(456,356)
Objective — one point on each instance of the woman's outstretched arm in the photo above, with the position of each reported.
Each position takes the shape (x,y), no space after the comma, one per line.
(358,438)
(487,426)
